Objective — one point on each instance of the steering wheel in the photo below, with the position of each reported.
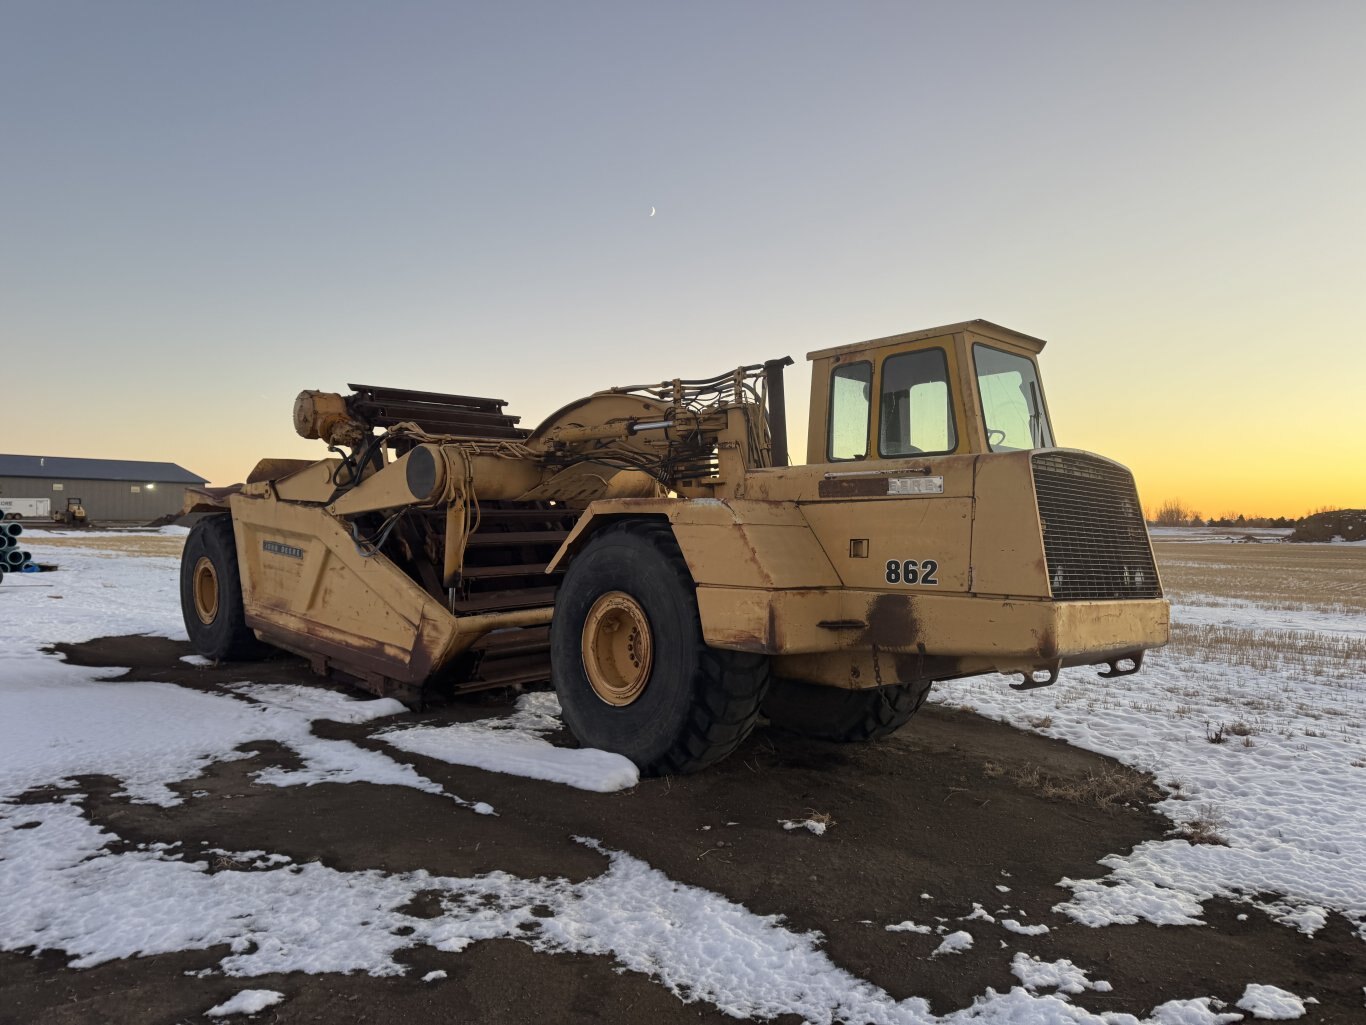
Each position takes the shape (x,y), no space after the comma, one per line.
(995,437)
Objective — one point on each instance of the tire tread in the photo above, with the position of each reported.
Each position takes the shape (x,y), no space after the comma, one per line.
(843,716)
(228,638)
(729,686)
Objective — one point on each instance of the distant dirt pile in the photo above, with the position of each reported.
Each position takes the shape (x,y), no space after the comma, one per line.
(1347,524)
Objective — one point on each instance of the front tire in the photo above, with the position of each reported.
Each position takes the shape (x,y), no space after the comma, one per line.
(211,594)
(841,715)
(629,663)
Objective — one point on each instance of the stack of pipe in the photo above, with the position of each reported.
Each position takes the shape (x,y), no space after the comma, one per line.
(12,560)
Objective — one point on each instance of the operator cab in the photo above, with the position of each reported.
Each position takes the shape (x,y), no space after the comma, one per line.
(964,388)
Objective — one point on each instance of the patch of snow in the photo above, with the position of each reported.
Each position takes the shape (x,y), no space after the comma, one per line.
(434,976)
(1011,925)
(58,721)
(512,744)
(978,912)
(1199,1011)
(1271,1002)
(249,1001)
(1061,975)
(954,943)
(317,702)
(1127,897)
(196,660)
(817,826)
(256,859)
(909,926)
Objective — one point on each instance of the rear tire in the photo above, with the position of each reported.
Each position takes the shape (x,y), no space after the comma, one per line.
(695,704)
(842,715)
(211,594)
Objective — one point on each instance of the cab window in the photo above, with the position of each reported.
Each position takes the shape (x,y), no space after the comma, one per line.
(915,410)
(850,406)
(1012,401)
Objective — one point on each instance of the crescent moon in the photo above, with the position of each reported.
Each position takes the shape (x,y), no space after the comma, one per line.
(652,211)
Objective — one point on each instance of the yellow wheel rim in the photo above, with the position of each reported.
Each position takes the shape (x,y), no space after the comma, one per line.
(205,587)
(618,648)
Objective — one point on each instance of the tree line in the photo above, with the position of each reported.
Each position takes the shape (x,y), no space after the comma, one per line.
(1175,513)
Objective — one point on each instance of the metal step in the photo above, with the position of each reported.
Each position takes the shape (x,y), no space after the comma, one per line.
(487,515)
(505,672)
(526,569)
(494,601)
(516,537)
(523,641)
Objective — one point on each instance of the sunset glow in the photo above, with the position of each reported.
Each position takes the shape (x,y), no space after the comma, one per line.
(208,209)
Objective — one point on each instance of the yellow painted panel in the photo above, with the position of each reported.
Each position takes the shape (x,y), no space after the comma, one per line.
(932,530)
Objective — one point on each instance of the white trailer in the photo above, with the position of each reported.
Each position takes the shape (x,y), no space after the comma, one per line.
(25,508)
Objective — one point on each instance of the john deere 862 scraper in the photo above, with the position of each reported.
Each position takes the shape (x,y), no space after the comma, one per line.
(649,551)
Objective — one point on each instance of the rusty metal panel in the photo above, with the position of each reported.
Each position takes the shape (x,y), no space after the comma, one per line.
(926,635)
(302,575)
(1106,629)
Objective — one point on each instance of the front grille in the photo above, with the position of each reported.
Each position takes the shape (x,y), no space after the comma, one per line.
(1093,533)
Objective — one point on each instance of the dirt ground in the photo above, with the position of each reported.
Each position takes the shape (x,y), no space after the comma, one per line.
(939,808)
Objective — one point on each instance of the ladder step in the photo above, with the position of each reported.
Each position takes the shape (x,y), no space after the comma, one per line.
(507,671)
(540,649)
(527,598)
(517,641)
(516,537)
(526,569)
(487,515)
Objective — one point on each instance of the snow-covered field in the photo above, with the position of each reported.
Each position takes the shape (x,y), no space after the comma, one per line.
(1273,762)
(1284,788)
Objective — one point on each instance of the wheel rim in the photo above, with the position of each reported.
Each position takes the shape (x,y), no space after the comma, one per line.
(618,648)
(205,586)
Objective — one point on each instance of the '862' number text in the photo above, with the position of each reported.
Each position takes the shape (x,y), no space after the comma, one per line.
(912,571)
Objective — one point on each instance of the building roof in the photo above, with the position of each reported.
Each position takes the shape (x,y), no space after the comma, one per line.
(63,468)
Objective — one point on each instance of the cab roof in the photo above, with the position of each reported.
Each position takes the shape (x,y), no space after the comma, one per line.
(984,328)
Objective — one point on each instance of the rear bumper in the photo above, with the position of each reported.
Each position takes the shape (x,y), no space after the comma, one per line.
(977,634)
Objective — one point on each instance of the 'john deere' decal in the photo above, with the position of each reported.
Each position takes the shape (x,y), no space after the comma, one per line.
(277,548)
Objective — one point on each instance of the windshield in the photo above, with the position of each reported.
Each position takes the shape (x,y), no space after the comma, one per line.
(1012,401)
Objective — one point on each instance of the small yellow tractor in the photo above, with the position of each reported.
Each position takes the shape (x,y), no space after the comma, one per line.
(73,515)
(650,551)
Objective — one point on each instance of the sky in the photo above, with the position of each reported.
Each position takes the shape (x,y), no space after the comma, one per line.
(206,208)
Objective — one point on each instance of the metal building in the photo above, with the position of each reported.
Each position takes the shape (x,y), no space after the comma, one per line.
(111,490)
